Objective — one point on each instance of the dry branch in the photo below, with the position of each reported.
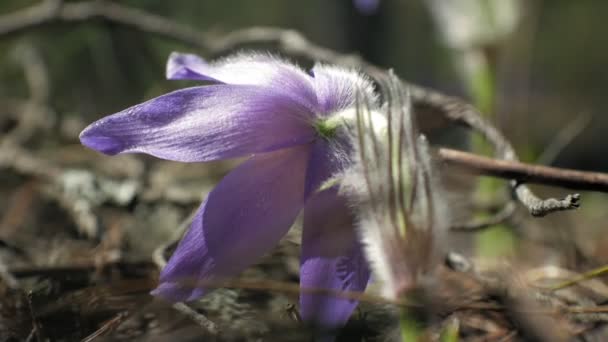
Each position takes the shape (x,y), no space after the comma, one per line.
(520,172)
(53,11)
(527,173)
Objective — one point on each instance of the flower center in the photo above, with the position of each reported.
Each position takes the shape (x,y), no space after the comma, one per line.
(327,128)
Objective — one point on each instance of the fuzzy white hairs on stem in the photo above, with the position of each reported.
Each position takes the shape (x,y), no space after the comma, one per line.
(401,215)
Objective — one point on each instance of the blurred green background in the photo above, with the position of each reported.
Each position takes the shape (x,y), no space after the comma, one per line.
(550,70)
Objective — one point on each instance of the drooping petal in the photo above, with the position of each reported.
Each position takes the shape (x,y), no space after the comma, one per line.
(336,88)
(331,259)
(204,123)
(186,66)
(248,69)
(327,158)
(242,218)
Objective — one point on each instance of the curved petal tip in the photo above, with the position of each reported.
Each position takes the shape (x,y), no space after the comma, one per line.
(185,66)
(101,143)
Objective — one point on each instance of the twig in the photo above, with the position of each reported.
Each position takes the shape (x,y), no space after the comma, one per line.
(529,173)
(509,336)
(6,276)
(503,215)
(108,326)
(50,11)
(465,114)
(291,288)
(158,256)
(35,324)
(35,70)
(547,278)
(24,162)
(293,313)
(159,259)
(63,271)
(564,138)
(197,317)
(585,276)
(521,172)
(540,208)
(17,210)
(31,336)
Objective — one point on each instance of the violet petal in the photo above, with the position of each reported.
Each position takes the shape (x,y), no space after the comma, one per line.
(326,159)
(249,69)
(186,66)
(242,218)
(336,87)
(331,259)
(204,123)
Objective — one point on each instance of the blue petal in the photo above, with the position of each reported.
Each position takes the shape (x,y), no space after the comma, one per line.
(337,87)
(184,66)
(241,219)
(327,158)
(204,123)
(331,259)
(248,69)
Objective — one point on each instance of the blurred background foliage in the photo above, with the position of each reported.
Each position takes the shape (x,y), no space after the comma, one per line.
(549,71)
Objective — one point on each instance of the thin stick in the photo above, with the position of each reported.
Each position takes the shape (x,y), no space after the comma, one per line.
(501,216)
(527,173)
(197,317)
(52,11)
(585,276)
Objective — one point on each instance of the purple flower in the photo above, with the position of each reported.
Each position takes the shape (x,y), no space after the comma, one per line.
(290,125)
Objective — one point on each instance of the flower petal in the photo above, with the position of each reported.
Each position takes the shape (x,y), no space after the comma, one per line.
(241,219)
(204,123)
(185,66)
(249,69)
(327,158)
(336,87)
(331,259)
